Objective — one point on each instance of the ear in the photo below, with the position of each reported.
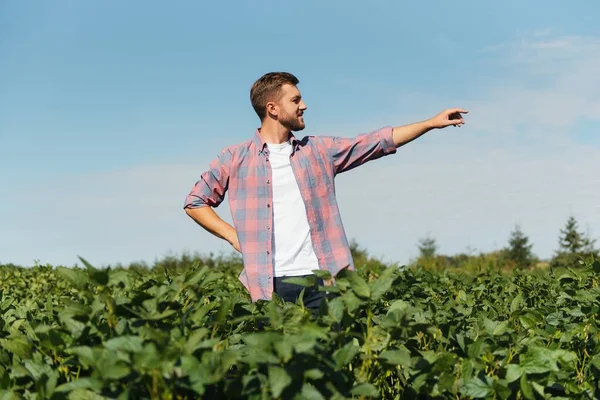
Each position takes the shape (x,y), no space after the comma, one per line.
(272,108)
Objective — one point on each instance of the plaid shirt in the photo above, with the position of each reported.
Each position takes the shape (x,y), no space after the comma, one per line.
(244,171)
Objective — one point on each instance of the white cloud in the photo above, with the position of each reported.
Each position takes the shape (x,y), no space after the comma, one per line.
(552,82)
(542,32)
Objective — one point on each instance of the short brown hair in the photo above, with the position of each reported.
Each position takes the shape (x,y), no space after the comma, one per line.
(266,88)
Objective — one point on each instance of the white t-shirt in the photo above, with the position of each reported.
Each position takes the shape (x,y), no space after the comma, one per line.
(294,254)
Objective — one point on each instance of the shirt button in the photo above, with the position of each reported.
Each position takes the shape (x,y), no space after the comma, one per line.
(268,182)
(268,206)
(268,252)
(268,227)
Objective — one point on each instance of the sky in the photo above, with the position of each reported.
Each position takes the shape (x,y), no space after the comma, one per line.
(110,111)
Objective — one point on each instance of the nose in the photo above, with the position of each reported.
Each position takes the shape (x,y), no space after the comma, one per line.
(303,106)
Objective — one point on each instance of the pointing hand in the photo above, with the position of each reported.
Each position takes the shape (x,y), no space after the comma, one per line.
(450,116)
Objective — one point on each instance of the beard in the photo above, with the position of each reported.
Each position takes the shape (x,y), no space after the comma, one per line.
(292,122)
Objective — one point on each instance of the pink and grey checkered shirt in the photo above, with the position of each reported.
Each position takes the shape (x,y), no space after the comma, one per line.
(244,172)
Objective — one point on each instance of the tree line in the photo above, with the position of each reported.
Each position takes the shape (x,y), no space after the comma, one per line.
(574,246)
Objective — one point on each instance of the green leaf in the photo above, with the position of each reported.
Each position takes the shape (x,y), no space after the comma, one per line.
(36,370)
(309,392)
(352,302)
(420,381)
(147,358)
(554,319)
(19,346)
(229,357)
(500,389)
(474,350)
(517,303)
(539,360)
(81,383)
(466,311)
(194,339)
(284,350)
(538,388)
(115,371)
(460,339)
(74,326)
(526,388)
(86,355)
(400,356)
(97,276)
(399,305)
(279,379)
(595,361)
(9,395)
(335,309)
(306,281)
(191,368)
(84,394)
(76,277)
(513,372)
(200,314)
(564,357)
(157,317)
(529,321)
(78,309)
(321,273)
(131,344)
(500,328)
(222,311)
(382,284)
(196,276)
(476,388)
(430,356)
(117,277)
(313,374)
(18,371)
(357,284)
(566,277)
(365,389)
(344,355)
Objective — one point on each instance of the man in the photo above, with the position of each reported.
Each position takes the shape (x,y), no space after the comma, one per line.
(281,190)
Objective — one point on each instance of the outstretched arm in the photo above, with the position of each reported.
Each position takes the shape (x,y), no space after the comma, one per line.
(408,133)
(347,153)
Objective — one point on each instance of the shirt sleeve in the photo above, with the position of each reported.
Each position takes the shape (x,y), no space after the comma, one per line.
(348,153)
(210,189)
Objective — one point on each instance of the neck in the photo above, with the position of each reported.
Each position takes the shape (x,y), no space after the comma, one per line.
(273,132)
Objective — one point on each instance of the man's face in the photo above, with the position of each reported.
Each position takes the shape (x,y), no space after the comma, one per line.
(290,108)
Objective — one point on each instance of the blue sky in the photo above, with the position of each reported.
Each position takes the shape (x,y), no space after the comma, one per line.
(109,112)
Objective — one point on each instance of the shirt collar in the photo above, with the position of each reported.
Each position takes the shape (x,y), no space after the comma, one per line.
(261,144)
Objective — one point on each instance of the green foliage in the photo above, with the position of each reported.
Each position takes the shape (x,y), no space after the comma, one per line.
(519,250)
(571,240)
(493,262)
(188,331)
(574,246)
(427,247)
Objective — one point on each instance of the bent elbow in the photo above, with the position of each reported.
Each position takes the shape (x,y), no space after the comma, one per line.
(194,211)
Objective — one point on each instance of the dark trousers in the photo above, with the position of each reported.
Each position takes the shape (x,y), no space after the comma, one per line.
(312,298)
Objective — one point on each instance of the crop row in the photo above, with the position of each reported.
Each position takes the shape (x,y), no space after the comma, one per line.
(382,333)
